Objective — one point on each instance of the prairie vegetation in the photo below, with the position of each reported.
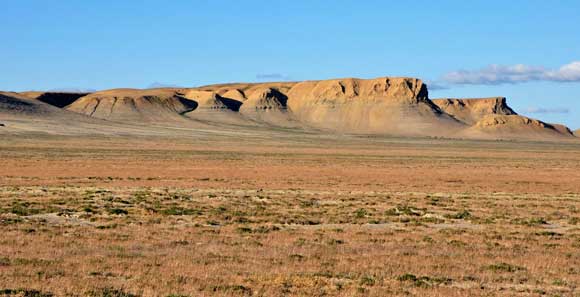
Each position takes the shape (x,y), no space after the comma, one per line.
(345,216)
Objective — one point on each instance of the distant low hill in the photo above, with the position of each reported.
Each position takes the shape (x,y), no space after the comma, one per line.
(58,99)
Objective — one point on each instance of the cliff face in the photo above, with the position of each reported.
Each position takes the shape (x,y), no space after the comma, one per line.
(344,91)
(234,94)
(562,129)
(241,91)
(382,105)
(471,110)
(269,106)
(134,105)
(492,117)
(17,104)
(58,99)
(386,105)
(516,126)
(264,100)
(22,114)
(211,101)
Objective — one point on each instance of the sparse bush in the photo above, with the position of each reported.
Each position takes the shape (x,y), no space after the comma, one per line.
(505,267)
(335,241)
(403,210)
(549,233)
(110,292)
(24,293)
(118,211)
(240,289)
(297,257)
(424,281)
(361,213)
(462,215)
(367,280)
(180,211)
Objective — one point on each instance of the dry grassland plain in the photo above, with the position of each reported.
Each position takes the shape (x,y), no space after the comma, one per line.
(287,214)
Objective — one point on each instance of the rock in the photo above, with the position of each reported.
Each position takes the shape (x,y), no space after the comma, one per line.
(265,99)
(562,129)
(387,105)
(27,114)
(234,94)
(134,105)
(58,99)
(518,127)
(471,110)
(208,100)
(268,105)
(18,104)
(384,105)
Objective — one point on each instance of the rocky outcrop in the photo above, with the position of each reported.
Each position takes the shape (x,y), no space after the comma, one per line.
(562,129)
(22,114)
(387,105)
(247,88)
(492,117)
(234,94)
(268,105)
(58,99)
(211,101)
(134,105)
(471,110)
(265,100)
(384,105)
(577,133)
(18,104)
(518,127)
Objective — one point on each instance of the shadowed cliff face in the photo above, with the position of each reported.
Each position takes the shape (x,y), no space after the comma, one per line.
(58,99)
(13,102)
(266,99)
(208,100)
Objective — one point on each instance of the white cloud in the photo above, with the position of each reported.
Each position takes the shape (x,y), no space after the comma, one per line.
(501,74)
(435,85)
(546,110)
(157,85)
(568,72)
(272,76)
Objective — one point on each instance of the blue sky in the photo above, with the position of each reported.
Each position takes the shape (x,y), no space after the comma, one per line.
(108,44)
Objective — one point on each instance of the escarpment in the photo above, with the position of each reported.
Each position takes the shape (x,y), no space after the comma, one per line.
(397,106)
(134,105)
(384,105)
(58,99)
(471,110)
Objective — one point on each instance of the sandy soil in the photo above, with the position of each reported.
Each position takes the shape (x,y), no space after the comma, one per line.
(287,214)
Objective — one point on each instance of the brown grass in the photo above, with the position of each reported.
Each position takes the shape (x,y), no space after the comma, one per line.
(295,216)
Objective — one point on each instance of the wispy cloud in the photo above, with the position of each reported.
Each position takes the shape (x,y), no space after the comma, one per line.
(511,74)
(435,85)
(272,76)
(156,85)
(547,110)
